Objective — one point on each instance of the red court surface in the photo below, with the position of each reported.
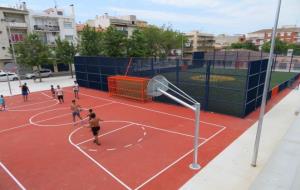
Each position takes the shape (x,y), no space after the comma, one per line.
(143,145)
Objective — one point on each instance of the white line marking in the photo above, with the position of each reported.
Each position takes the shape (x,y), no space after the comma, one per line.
(12,176)
(168,131)
(95,162)
(11,108)
(140,140)
(106,133)
(111,149)
(35,109)
(145,133)
(126,146)
(176,161)
(93,150)
(143,128)
(9,129)
(152,110)
(46,95)
(56,125)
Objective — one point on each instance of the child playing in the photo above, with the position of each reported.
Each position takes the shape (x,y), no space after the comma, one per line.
(76,89)
(52,91)
(2,103)
(75,108)
(60,94)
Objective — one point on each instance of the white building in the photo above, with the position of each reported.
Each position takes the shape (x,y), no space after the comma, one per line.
(53,23)
(198,41)
(127,23)
(14,26)
(223,40)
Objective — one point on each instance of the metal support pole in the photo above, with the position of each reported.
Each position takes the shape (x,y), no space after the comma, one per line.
(196,109)
(8,82)
(13,51)
(291,62)
(266,86)
(195,165)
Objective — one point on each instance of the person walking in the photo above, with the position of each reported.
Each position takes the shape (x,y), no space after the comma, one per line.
(60,94)
(76,89)
(25,92)
(75,108)
(95,127)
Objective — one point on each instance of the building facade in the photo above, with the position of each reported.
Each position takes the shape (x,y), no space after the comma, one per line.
(14,26)
(223,40)
(53,23)
(198,41)
(126,24)
(289,34)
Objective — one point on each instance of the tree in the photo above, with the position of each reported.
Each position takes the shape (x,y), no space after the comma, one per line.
(280,47)
(90,42)
(153,38)
(295,47)
(137,44)
(114,42)
(171,39)
(244,45)
(33,52)
(65,52)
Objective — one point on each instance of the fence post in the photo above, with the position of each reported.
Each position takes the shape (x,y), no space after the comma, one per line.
(177,71)
(152,66)
(291,62)
(207,83)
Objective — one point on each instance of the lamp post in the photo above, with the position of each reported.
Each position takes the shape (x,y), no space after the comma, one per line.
(266,86)
(12,45)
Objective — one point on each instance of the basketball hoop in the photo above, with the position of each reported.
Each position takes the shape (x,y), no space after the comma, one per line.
(158,86)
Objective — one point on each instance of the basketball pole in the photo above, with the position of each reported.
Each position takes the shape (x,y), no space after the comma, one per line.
(14,54)
(196,109)
(266,87)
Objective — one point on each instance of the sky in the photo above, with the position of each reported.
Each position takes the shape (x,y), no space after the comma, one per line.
(211,16)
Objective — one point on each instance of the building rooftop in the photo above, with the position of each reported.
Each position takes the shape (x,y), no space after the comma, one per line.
(283,29)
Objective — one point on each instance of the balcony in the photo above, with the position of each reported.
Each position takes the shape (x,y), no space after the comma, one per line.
(17,24)
(46,28)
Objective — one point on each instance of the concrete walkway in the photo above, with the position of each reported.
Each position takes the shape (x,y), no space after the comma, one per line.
(63,81)
(231,170)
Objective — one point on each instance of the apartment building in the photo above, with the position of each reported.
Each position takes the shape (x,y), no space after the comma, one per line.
(223,40)
(53,23)
(126,24)
(14,26)
(198,41)
(288,33)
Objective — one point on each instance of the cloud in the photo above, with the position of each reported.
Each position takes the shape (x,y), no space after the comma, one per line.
(170,16)
(187,3)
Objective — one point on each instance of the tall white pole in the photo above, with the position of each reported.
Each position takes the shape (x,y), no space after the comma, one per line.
(195,165)
(266,87)
(13,51)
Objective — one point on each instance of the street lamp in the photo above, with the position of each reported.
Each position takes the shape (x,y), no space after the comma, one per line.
(12,45)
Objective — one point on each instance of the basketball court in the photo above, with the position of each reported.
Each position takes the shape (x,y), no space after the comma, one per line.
(143,145)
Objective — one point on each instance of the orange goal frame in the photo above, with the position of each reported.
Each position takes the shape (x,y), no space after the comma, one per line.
(128,87)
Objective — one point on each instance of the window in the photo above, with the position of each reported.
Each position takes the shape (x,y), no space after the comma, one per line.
(68,25)
(69,37)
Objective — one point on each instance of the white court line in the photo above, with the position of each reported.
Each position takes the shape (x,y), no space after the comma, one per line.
(165,130)
(46,95)
(157,174)
(179,159)
(9,129)
(55,117)
(12,176)
(152,110)
(95,162)
(106,133)
(30,104)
